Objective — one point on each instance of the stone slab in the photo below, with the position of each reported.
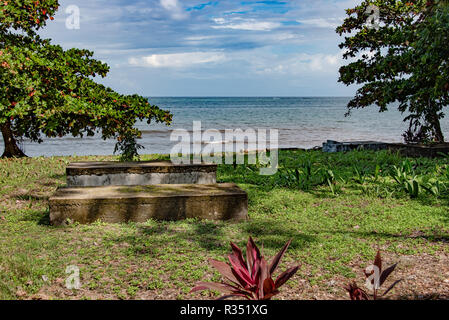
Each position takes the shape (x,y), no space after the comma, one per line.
(121,204)
(407,150)
(110,173)
(411,150)
(335,146)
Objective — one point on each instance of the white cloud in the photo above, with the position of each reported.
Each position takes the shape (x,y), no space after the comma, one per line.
(138,9)
(285,36)
(322,62)
(297,64)
(199,38)
(178,60)
(259,61)
(323,23)
(245,24)
(175,9)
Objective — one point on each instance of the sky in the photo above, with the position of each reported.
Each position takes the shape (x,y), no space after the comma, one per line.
(210,48)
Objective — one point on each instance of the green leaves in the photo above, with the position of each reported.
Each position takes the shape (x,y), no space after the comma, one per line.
(50,91)
(412,184)
(26,15)
(405,61)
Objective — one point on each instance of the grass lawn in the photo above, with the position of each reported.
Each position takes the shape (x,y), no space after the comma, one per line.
(336,232)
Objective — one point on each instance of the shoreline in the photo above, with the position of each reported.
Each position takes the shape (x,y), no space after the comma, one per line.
(412,150)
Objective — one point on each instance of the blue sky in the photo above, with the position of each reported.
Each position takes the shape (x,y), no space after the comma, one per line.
(211,48)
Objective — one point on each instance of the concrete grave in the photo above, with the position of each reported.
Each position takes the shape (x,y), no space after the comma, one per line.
(117,204)
(417,150)
(335,146)
(109,173)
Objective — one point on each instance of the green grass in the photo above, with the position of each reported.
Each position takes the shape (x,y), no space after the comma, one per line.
(331,231)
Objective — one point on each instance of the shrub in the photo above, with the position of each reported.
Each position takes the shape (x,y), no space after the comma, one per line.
(250,279)
(375,278)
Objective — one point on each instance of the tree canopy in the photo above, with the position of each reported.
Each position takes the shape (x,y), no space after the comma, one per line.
(403,59)
(49,91)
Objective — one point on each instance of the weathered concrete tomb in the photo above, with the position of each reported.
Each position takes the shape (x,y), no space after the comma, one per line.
(407,150)
(417,150)
(110,173)
(117,204)
(335,146)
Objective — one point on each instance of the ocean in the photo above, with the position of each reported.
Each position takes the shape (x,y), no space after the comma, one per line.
(303,122)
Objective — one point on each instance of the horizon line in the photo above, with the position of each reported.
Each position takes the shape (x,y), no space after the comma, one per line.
(149,96)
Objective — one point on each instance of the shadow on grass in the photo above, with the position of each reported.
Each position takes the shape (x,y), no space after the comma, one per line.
(41,218)
(59,176)
(213,236)
(31,197)
(415,235)
(274,234)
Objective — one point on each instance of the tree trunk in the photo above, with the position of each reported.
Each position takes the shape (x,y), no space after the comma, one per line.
(11,148)
(435,122)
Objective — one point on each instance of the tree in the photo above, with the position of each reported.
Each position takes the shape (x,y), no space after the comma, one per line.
(46,90)
(403,58)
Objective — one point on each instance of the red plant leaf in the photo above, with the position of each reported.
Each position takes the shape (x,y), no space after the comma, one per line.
(241,280)
(275,262)
(269,296)
(269,289)
(224,269)
(238,254)
(262,275)
(283,278)
(378,261)
(256,270)
(252,257)
(221,287)
(386,273)
(240,272)
(268,286)
(355,293)
(250,279)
